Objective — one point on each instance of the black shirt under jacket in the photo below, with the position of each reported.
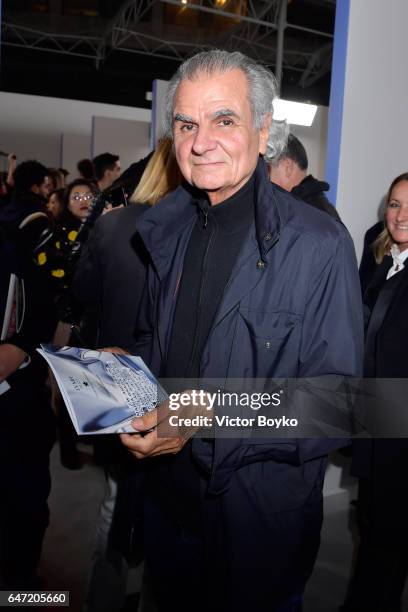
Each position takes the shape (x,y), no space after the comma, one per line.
(212,251)
(213,248)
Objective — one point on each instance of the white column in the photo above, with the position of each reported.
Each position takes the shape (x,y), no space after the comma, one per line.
(368,120)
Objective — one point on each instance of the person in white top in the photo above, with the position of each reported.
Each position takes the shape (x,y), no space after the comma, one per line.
(393,240)
(396,219)
(381,463)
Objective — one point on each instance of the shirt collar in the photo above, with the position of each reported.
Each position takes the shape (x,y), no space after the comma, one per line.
(398,260)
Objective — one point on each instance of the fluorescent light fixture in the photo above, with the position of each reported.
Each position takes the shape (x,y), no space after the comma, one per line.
(295,113)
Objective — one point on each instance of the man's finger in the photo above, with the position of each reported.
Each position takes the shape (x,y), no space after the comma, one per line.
(153,418)
(148,446)
(146,422)
(172,449)
(114,349)
(139,444)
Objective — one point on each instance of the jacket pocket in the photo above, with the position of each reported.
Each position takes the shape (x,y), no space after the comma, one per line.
(278,487)
(272,339)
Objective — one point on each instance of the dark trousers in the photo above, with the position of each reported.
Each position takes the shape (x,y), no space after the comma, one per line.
(187,576)
(27,433)
(382,559)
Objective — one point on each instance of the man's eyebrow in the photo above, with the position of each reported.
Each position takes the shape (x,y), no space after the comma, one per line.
(224,112)
(183,118)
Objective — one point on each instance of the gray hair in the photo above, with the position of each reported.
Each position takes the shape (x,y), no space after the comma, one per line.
(261,82)
(277,142)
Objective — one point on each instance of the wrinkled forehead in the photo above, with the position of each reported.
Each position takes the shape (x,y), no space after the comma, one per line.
(227,86)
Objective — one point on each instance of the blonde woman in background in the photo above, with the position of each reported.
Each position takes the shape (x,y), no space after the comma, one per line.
(110,279)
(161,176)
(392,236)
(381,464)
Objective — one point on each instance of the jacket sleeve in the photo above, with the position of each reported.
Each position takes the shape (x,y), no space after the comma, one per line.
(146,323)
(331,348)
(87,280)
(40,318)
(332,336)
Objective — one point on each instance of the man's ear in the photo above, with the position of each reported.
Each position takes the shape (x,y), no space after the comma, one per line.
(289,167)
(264,133)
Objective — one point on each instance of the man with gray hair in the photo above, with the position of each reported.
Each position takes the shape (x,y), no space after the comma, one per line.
(245,282)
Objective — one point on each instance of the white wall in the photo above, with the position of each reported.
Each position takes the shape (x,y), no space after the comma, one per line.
(314,139)
(71,146)
(158,105)
(374,132)
(129,138)
(31,126)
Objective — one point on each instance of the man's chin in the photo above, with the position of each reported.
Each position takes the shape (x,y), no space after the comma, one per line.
(207,183)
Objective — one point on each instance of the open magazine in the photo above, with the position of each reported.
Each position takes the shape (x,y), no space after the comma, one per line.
(102,391)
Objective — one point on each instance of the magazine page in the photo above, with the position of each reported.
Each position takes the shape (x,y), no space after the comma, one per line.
(103,391)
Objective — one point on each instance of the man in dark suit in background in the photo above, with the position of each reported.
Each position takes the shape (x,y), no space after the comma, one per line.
(289,171)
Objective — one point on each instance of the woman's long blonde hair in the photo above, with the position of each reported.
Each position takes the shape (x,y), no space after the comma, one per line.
(382,244)
(161,175)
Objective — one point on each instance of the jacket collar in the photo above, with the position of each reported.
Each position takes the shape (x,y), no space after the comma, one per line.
(22,205)
(164,224)
(310,186)
(268,217)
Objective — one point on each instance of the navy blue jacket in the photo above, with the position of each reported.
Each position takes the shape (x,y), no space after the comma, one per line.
(292,308)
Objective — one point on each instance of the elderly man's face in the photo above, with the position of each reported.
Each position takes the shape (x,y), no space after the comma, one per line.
(215,142)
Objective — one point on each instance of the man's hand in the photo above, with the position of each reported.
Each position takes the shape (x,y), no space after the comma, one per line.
(154,442)
(11,358)
(162,437)
(114,349)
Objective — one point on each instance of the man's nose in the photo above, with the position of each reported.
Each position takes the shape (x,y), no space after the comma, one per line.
(203,141)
